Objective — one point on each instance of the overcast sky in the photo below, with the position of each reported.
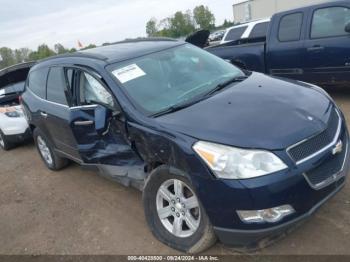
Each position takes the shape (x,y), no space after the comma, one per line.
(26,23)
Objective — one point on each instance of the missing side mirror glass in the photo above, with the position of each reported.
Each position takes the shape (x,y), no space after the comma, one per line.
(347,28)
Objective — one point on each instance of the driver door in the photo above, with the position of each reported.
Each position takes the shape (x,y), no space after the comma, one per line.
(99,132)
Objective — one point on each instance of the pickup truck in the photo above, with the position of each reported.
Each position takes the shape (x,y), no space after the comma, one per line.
(310,44)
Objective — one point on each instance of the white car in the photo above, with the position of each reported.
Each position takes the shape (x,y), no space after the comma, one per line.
(253,29)
(14,128)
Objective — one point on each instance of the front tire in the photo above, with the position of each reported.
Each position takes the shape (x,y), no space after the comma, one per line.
(4,143)
(175,214)
(47,152)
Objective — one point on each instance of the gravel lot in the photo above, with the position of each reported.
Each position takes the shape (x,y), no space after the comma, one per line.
(78,212)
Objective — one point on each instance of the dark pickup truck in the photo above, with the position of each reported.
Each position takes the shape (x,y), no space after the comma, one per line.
(310,44)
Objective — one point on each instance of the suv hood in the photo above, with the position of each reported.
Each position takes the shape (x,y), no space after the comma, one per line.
(261,112)
(14,74)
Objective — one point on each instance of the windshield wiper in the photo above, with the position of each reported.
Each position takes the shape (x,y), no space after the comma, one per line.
(221,86)
(180,106)
(176,107)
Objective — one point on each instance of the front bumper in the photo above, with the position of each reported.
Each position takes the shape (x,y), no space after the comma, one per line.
(21,137)
(298,186)
(259,238)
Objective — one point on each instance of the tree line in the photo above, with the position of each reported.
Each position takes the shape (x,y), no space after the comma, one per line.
(10,56)
(179,25)
(184,23)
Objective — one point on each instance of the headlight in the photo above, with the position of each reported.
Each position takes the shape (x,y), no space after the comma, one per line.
(12,114)
(234,163)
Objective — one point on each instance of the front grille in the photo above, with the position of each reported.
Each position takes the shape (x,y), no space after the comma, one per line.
(311,146)
(329,170)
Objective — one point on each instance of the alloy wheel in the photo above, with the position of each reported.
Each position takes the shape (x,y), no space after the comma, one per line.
(44,150)
(2,143)
(178,208)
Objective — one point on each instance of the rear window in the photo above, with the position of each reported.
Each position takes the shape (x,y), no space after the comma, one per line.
(290,27)
(259,30)
(235,33)
(37,82)
(57,86)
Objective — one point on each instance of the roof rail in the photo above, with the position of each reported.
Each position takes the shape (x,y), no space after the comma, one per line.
(145,39)
(76,55)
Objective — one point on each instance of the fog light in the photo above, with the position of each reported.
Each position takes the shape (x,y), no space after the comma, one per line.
(271,215)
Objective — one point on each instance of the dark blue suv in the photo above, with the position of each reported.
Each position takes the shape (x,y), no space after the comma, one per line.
(217,151)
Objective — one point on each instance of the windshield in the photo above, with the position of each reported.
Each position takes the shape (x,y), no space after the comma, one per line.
(162,80)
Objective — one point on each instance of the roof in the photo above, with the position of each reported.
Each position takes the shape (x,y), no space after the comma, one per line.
(121,51)
(126,50)
(314,5)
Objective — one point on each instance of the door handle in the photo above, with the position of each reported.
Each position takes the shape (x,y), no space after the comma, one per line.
(84,123)
(315,48)
(43,114)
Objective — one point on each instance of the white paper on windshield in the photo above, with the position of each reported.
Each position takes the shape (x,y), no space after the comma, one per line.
(128,73)
(2,92)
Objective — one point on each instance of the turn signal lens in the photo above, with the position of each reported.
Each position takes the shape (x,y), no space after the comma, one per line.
(271,215)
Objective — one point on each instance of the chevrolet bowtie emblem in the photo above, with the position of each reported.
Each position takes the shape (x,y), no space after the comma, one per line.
(338,148)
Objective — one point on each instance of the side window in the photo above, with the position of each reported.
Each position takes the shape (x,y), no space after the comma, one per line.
(57,86)
(91,91)
(69,73)
(235,33)
(259,30)
(70,78)
(328,22)
(37,82)
(290,27)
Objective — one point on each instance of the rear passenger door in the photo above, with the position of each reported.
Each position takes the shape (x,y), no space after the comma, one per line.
(327,46)
(285,45)
(56,111)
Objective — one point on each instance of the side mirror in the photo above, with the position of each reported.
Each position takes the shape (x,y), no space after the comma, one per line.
(347,28)
(102,118)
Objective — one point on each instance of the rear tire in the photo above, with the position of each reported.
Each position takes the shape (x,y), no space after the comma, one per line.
(4,143)
(195,232)
(47,153)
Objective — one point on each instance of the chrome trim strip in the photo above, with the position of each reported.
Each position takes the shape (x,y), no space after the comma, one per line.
(334,177)
(335,140)
(83,107)
(84,123)
(45,100)
(65,106)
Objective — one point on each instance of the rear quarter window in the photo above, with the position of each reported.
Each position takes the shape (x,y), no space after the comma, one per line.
(57,90)
(37,82)
(235,33)
(259,30)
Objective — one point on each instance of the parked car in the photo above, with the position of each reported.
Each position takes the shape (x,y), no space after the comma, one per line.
(217,152)
(252,29)
(14,128)
(310,44)
(216,36)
